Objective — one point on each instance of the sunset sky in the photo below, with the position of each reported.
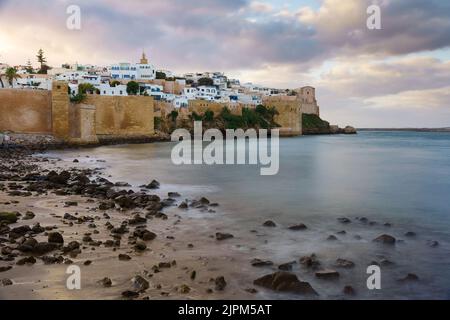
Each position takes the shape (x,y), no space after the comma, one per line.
(395,77)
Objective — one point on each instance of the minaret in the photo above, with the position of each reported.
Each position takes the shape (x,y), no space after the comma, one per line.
(144,58)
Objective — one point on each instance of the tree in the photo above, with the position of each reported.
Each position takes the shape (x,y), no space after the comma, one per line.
(84,88)
(132,88)
(11,75)
(205,82)
(174,115)
(209,115)
(114,83)
(29,67)
(42,61)
(160,75)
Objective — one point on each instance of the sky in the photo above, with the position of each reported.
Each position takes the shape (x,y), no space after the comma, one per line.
(398,76)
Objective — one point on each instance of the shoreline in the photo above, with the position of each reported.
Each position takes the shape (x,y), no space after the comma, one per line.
(219,249)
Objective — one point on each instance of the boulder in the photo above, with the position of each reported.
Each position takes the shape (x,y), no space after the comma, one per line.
(220,283)
(223,236)
(310,262)
(298,227)
(140,284)
(55,237)
(106,282)
(269,223)
(153,185)
(327,274)
(285,282)
(385,239)
(287,266)
(349,130)
(343,263)
(261,263)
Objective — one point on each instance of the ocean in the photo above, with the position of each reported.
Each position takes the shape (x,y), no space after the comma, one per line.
(398,181)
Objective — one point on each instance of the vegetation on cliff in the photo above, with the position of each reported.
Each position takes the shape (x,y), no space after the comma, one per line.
(313,124)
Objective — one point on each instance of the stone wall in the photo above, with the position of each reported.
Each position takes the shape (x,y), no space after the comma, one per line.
(201,106)
(82,124)
(290,114)
(25,111)
(122,116)
(60,110)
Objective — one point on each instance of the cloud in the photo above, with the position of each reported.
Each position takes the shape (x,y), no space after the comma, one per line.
(263,42)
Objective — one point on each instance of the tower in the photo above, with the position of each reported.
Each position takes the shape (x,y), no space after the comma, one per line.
(144,59)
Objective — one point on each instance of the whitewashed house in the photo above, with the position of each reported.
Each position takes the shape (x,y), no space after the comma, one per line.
(133,71)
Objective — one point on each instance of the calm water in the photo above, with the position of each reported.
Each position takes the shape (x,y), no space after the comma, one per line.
(398,177)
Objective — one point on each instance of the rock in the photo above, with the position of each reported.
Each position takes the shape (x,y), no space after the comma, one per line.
(432,243)
(124,257)
(137,219)
(220,283)
(153,185)
(409,277)
(68,216)
(73,245)
(344,220)
(107,205)
(55,237)
(29,215)
(269,223)
(184,289)
(45,247)
(70,204)
(286,266)
(26,260)
(297,227)
(385,239)
(332,238)
(5,268)
(130,294)
(386,262)
(327,274)
(28,245)
(122,184)
(183,205)
(261,263)
(140,284)
(106,282)
(410,234)
(6,282)
(193,275)
(349,291)
(140,246)
(310,262)
(87,262)
(174,195)
(350,130)
(125,202)
(342,263)
(87,239)
(223,236)
(37,228)
(76,161)
(285,282)
(52,260)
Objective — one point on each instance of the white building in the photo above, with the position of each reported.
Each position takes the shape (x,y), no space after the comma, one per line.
(107,90)
(133,71)
(207,93)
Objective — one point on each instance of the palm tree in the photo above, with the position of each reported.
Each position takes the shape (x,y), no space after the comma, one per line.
(11,75)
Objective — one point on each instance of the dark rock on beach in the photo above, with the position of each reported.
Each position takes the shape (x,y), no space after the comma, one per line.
(385,239)
(269,223)
(327,274)
(285,282)
(223,236)
(298,227)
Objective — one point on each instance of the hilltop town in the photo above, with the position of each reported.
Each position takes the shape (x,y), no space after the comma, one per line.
(174,100)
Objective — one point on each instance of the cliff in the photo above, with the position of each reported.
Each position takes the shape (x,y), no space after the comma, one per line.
(313,124)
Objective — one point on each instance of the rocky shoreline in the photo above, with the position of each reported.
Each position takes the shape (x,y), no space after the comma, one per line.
(138,245)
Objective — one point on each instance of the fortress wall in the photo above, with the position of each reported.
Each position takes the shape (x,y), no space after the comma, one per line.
(25,111)
(123,116)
